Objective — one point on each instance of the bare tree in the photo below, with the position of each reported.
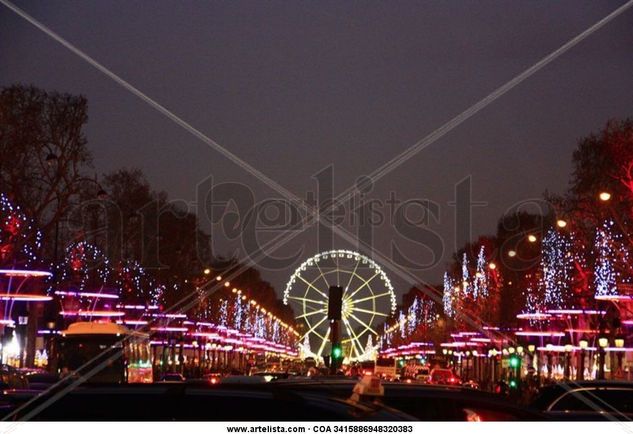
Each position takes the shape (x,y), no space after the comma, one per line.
(43,152)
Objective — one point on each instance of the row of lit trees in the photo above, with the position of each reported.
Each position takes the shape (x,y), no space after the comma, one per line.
(154,247)
(576,248)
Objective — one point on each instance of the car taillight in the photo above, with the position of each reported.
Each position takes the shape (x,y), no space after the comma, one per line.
(472,416)
(214,381)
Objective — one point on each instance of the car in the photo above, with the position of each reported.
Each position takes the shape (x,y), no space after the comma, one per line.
(586,400)
(272,376)
(471,384)
(173,377)
(443,376)
(424,375)
(213,378)
(193,402)
(40,380)
(427,402)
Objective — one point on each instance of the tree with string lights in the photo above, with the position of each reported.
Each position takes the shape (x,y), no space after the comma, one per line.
(612,259)
(20,240)
(448,295)
(137,286)
(557,269)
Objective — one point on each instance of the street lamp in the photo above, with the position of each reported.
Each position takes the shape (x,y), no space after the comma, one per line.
(549,347)
(512,253)
(603,342)
(619,343)
(532,238)
(492,265)
(561,223)
(568,349)
(583,343)
(605,196)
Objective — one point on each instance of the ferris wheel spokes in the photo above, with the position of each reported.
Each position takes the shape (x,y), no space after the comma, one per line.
(311,286)
(351,276)
(373,312)
(353,338)
(310,300)
(314,327)
(322,274)
(373,297)
(324,340)
(314,312)
(366,282)
(364,324)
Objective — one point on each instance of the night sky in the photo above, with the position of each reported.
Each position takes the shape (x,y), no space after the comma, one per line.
(292,87)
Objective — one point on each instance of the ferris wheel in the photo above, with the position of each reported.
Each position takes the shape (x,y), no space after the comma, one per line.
(368,298)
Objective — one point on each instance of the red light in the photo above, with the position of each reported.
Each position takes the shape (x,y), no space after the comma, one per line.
(214,381)
(472,416)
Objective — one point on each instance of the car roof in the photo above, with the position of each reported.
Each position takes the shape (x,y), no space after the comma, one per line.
(170,391)
(548,394)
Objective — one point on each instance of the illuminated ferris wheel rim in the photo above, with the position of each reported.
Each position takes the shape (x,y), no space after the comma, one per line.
(348,254)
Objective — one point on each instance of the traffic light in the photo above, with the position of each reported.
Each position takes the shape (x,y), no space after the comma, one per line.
(513,383)
(515,362)
(337,352)
(336,359)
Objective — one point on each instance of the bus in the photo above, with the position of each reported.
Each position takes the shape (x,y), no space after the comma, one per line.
(106,353)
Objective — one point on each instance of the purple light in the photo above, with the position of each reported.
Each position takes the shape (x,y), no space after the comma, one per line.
(576,312)
(25,297)
(96,313)
(614,297)
(534,316)
(86,294)
(25,273)
(539,333)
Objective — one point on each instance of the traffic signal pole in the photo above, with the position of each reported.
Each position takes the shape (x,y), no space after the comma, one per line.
(335,307)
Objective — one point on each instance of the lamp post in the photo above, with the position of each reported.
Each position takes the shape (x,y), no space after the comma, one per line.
(619,344)
(603,342)
(583,344)
(568,349)
(533,356)
(549,361)
(493,365)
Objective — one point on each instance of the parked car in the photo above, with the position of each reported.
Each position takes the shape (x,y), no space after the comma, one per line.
(444,376)
(193,402)
(40,380)
(424,375)
(586,400)
(173,377)
(426,402)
